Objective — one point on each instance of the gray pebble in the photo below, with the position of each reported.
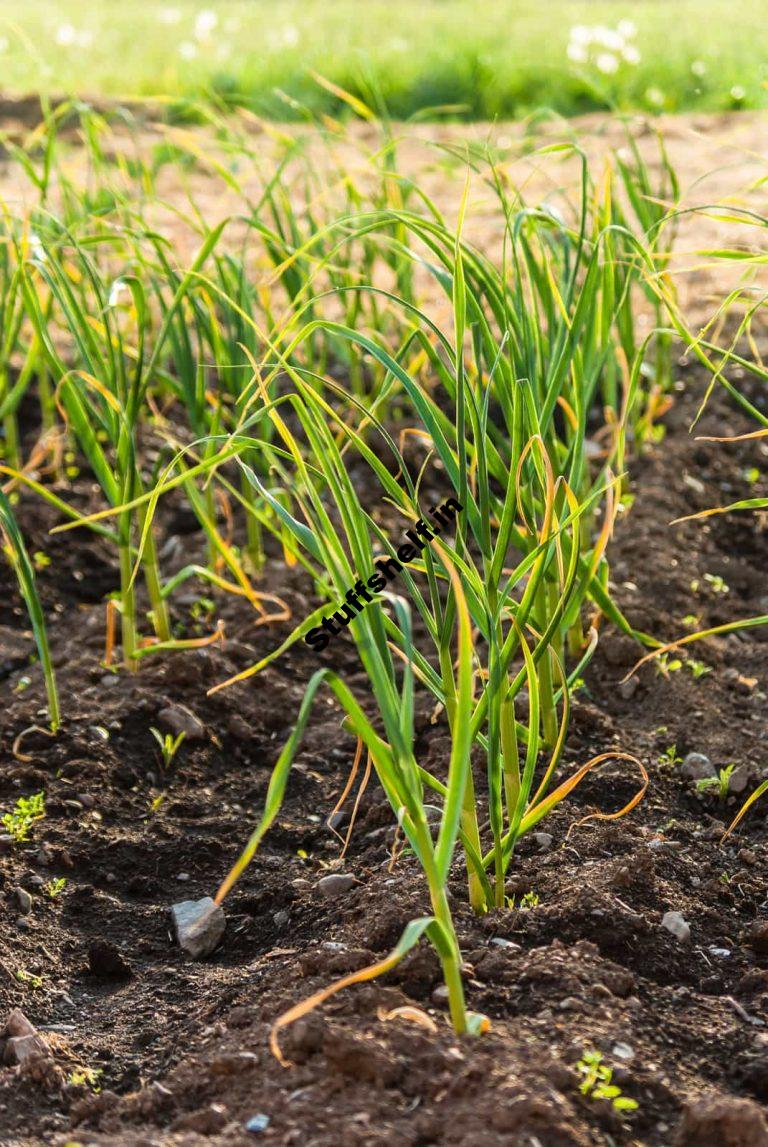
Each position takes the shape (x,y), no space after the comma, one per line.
(257,1123)
(199,926)
(697,767)
(675,923)
(24,901)
(336,885)
(179,719)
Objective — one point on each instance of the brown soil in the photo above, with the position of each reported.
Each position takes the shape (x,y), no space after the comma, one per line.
(181,1048)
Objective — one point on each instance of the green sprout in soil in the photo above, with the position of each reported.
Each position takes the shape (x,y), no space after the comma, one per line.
(721,782)
(169,745)
(597,1082)
(717,583)
(527,901)
(29,978)
(670,757)
(26,812)
(86,1077)
(666,664)
(54,888)
(155,804)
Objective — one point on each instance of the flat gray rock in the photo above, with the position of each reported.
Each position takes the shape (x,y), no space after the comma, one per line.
(199,926)
(675,923)
(336,885)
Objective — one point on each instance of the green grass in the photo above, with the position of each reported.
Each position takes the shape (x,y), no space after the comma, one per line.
(496,59)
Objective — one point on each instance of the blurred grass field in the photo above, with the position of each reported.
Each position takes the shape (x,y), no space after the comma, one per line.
(499,59)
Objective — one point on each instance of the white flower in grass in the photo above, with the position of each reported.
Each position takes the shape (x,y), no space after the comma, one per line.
(117,290)
(602,47)
(66,35)
(187,50)
(610,39)
(205,22)
(607,63)
(169,15)
(581,34)
(738,93)
(4,45)
(290,36)
(698,67)
(578,52)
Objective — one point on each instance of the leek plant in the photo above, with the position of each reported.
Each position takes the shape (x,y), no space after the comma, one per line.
(16,552)
(103,397)
(501,604)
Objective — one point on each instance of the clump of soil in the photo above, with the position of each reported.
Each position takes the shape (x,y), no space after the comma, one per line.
(153,1049)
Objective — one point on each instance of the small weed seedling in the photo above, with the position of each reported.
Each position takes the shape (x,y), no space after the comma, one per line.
(29,978)
(722,782)
(26,811)
(169,745)
(54,888)
(669,757)
(597,1084)
(86,1077)
(529,900)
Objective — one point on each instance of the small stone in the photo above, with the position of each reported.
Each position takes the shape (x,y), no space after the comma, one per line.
(747,856)
(628,688)
(675,923)
(20,1049)
(257,1123)
(107,963)
(281,918)
(623,1051)
(17,1024)
(239,728)
(179,719)
(6,841)
(301,884)
(570,1004)
(697,767)
(24,901)
(507,945)
(199,926)
(740,778)
(336,885)
(544,840)
(23,1042)
(440,995)
(183,877)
